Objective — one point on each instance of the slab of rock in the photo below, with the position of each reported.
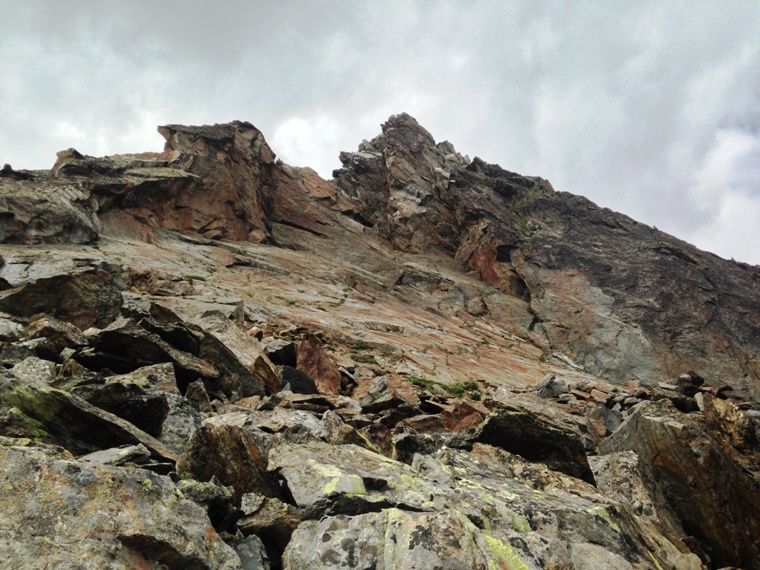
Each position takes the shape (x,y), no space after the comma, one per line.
(395,539)
(124,346)
(69,421)
(326,479)
(270,519)
(180,423)
(313,361)
(60,333)
(59,513)
(85,298)
(130,402)
(536,438)
(238,353)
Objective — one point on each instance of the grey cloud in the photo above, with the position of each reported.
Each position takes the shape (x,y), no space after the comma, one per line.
(624,103)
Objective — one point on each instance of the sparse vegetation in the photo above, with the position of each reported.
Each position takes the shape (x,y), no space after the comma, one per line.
(365,359)
(457,390)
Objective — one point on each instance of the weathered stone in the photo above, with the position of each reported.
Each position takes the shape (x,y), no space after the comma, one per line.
(124,347)
(536,438)
(59,513)
(551,387)
(299,382)
(12,353)
(283,352)
(239,354)
(285,420)
(315,363)
(85,298)
(253,555)
(215,498)
(236,456)
(130,402)
(34,370)
(180,423)
(197,396)
(125,455)
(324,479)
(75,424)
(687,462)
(395,539)
(60,333)
(43,211)
(273,521)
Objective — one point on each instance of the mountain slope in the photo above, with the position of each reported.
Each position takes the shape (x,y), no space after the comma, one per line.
(437,324)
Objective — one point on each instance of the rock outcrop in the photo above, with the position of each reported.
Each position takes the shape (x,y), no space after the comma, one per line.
(212,359)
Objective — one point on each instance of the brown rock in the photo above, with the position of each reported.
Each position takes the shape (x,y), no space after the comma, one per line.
(315,363)
(236,456)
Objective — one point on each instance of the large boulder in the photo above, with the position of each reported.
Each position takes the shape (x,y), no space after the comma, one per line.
(395,539)
(84,298)
(67,420)
(544,435)
(236,456)
(701,477)
(317,365)
(59,513)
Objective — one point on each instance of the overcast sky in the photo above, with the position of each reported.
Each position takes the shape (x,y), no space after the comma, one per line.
(648,108)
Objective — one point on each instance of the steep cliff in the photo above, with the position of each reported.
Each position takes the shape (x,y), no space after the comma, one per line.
(427,361)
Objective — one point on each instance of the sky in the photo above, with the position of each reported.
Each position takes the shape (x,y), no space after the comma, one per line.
(650,108)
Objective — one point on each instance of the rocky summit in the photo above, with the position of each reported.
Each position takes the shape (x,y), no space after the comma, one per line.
(215,360)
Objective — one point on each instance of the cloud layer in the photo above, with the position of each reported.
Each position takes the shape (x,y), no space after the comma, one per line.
(652,109)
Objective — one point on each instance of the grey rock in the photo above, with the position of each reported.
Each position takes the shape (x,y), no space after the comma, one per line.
(180,423)
(253,555)
(395,539)
(33,370)
(85,298)
(59,513)
(135,454)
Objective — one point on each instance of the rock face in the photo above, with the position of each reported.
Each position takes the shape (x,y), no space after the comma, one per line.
(212,359)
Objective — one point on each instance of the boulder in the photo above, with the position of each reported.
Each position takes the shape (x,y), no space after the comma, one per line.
(60,333)
(84,298)
(536,438)
(236,456)
(59,513)
(124,346)
(69,421)
(239,354)
(313,361)
(130,402)
(395,539)
(326,479)
(703,481)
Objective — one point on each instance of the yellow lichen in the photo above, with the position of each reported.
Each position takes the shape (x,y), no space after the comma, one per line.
(503,553)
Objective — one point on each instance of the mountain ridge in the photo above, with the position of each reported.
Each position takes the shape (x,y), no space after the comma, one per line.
(422,306)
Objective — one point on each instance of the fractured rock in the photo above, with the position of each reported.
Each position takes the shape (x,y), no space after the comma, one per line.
(85,298)
(687,462)
(236,456)
(59,513)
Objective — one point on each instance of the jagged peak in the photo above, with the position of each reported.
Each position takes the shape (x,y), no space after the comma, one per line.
(404,129)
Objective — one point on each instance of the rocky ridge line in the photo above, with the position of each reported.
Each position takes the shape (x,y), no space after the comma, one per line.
(425,362)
